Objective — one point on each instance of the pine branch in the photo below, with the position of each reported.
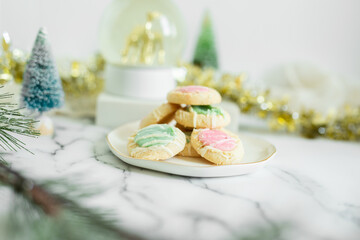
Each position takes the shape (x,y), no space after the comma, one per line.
(13,121)
(26,187)
(64,218)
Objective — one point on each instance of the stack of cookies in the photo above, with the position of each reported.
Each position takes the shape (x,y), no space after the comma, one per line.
(198,129)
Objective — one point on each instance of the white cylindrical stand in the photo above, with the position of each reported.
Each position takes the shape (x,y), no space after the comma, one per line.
(140,82)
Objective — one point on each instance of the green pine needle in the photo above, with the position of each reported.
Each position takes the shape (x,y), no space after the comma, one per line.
(12,121)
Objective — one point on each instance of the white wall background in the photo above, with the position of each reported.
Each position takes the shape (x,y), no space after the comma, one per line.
(252,35)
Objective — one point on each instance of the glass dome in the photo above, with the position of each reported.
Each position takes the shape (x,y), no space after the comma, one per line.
(142,33)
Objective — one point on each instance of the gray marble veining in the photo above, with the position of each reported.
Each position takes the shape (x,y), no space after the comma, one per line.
(306,192)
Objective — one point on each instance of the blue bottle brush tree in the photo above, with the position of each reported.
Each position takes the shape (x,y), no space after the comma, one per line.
(42,89)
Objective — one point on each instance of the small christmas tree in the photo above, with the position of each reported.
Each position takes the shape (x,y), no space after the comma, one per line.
(42,90)
(205,51)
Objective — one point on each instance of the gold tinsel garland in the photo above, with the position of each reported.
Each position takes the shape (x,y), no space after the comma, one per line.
(307,122)
(12,62)
(83,80)
(78,78)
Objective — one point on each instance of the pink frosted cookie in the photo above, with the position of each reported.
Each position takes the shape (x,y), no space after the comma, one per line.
(218,146)
(194,95)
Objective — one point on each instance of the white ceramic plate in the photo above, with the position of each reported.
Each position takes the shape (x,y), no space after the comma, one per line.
(257,153)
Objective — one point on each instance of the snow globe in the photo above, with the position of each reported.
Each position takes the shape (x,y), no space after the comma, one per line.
(141,41)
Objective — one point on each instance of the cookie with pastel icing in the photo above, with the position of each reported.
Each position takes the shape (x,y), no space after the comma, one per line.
(162,114)
(202,116)
(218,146)
(156,142)
(188,151)
(183,129)
(194,95)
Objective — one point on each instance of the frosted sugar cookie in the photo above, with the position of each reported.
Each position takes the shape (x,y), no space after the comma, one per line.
(218,146)
(162,114)
(194,95)
(183,129)
(205,116)
(156,142)
(188,151)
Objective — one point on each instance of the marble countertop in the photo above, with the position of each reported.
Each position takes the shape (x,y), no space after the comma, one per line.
(310,190)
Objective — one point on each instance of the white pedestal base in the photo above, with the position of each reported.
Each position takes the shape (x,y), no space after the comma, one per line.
(139,82)
(113,111)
